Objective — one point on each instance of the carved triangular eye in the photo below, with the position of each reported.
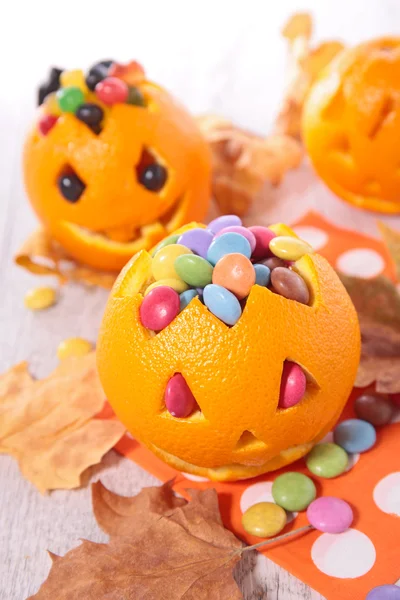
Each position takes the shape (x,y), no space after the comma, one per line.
(71,186)
(150,172)
(179,399)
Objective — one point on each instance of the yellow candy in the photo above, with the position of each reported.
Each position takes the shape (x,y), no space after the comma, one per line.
(74,78)
(289,248)
(176,284)
(73,347)
(40,298)
(163,261)
(52,106)
(264,519)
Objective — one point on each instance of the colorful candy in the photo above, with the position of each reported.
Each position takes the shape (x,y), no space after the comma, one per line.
(40,298)
(263,275)
(198,240)
(250,237)
(74,346)
(70,98)
(289,248)
(293,385)
(355,435)
(384,592)
(186,297)
(90,114)
(293,491)
(176,284)
(51,105)
(194,270)
(221,222)
(236,273)
(327,460)
(171,239)
(273,262)
(178,397)
(159,308)
(163,265)
(264,519)
(112,90)
(222,303)
(97,73)
(71,187)
(46,123)
(374,408)
(74,78)
(330,515)
(228,243)
(263,237)
(289,284)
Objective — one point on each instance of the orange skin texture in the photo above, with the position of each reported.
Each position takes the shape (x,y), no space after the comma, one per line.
(113,201)
(234,373)
(351,125)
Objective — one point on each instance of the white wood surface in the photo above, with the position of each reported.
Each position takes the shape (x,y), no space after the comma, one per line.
(225,57)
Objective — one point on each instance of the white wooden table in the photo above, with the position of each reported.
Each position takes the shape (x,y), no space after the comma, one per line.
(225,57)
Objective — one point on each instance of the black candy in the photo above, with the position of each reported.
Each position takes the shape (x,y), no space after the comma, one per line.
(90,113)
(153,177)
(51,85)
(97,73)
(71,187)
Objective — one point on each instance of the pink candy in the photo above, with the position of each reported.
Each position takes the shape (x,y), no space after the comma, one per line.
(293,385)
(330,514)
(250,237)
(263,237)
(159,308)
(179,399)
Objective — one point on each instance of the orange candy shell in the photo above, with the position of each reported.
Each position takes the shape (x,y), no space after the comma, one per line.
(235,273)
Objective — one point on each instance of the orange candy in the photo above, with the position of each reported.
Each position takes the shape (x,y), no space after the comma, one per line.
(236,273)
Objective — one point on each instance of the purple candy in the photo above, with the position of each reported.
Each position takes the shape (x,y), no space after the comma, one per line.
(384,592)
(330,515)
(221,222)
(198,240)
(250,237)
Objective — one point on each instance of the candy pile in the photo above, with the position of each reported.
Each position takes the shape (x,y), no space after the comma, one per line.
(87,95)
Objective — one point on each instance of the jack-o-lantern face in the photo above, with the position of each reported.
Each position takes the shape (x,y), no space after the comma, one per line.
(351,125)
(234,373)
(106,192)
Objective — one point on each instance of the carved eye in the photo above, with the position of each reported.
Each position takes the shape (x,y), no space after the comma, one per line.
(150,173)
(70,186)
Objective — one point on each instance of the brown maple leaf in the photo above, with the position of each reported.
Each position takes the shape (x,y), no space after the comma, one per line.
(48,425)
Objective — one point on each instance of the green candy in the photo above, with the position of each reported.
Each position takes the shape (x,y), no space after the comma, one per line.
(327,460)
(135,97)
(293,491)
(194,270)
(172,239)
(70,98)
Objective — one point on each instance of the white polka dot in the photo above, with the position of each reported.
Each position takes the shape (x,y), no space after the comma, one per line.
(361,262)
(353,460)
(260,492)
(344,555)
(317,238)
(387,494)
(195,477)
(328,439)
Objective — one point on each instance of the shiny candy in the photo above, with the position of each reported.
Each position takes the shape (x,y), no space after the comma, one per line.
(198,240)
(90,114)
(289,248)
(194,270)
(75,346)
(263,274)
(228,243)
(374,408)
(250,237)
(46,123)
(225,221)
(40,298)
(384,592)
(236,273)
(293,385)
(112,91)
(70,98)
(327,460)
(52,106)
(179,399)
(293,491)
(395,398)
(264,519)
(163,265)
(289,284)
(263,237)
(330,515)
(186,297)
(176,284)
(159,308)
(355,435)
(273,262)
(74,78)
(222,303)
(171,239)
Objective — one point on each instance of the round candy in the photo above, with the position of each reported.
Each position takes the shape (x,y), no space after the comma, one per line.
(70,98)
(73,347)
(374,408)
(46,123)
(289,284)
(40,298)
(74,78)
(327,460)
(179,399)
(293,385)
(51,104)
(384,592)
(293,491)
(171,239)
(222,303)
(263,275)
(330,515)
(198,240)
(112,90)
(289,248)
(163,265)
(250,237)
(221,222)
(96,74)
(263,237)
(236,273)
(159,308)
(355,435)
(264,519)
(176,284)
(273,262)
(186,297)
(228,243)
(90,114)
(71,187)
(194,270)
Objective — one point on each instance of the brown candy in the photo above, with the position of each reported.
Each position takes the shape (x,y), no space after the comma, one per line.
(273,262)
(289,284)
(374,408)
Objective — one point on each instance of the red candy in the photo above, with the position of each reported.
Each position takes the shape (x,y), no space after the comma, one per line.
(293,385)
(263,237)
(159,308)
(46,123)
(179,399)
(112,90)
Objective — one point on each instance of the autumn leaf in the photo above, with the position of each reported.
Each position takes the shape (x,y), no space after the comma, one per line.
(49,425)
(391,237)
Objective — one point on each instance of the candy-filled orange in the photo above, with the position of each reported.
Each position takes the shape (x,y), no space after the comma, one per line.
(351,125)
(113,164)
(207,398)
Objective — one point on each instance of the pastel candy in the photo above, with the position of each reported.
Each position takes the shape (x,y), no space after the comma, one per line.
(374,408)
(198,240)
(250,237)
(235,273)
(273,262)
(327,460)
(194,270)
(289,284)
(293,385)
(293,491)
(263,237)
(222,303)
(355,435)
(228,243)
(178,397)
(163,264)
(388,591)
(159,308)
(263,274)
(171,239)
(264,519)
(330,514)
(186,297)
(225,221)
(289,248)
(176,284)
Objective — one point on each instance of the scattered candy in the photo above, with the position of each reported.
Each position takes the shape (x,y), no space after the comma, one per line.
(293,491)
(198,240)
(159,308)
(293,385)
(112,91)
(222,303)
(75,346)
(384,592)
(46,123)
(179,399)
(263,274)
(176,284)
(228,243)
(289,248)
(70,98)
(171,239)
(221,222)
(327,460)
(163,265)
(264,519)
(250,237)
(289,284)
(374,408)
(330,515)
(40,298)
(74,78)
(236,273)
(263,237)
(90,114)
(355,435)
(194,270)
(186,297)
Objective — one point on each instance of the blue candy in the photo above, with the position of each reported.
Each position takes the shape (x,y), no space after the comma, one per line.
(228,243)
(186,297)
(355,435)
(224,221)
(198,240)
(384,592)
(222,303)
(263,274)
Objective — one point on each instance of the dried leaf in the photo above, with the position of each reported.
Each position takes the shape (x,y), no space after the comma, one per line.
(299,24)
(185,553)
(391,237)
(49,426)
